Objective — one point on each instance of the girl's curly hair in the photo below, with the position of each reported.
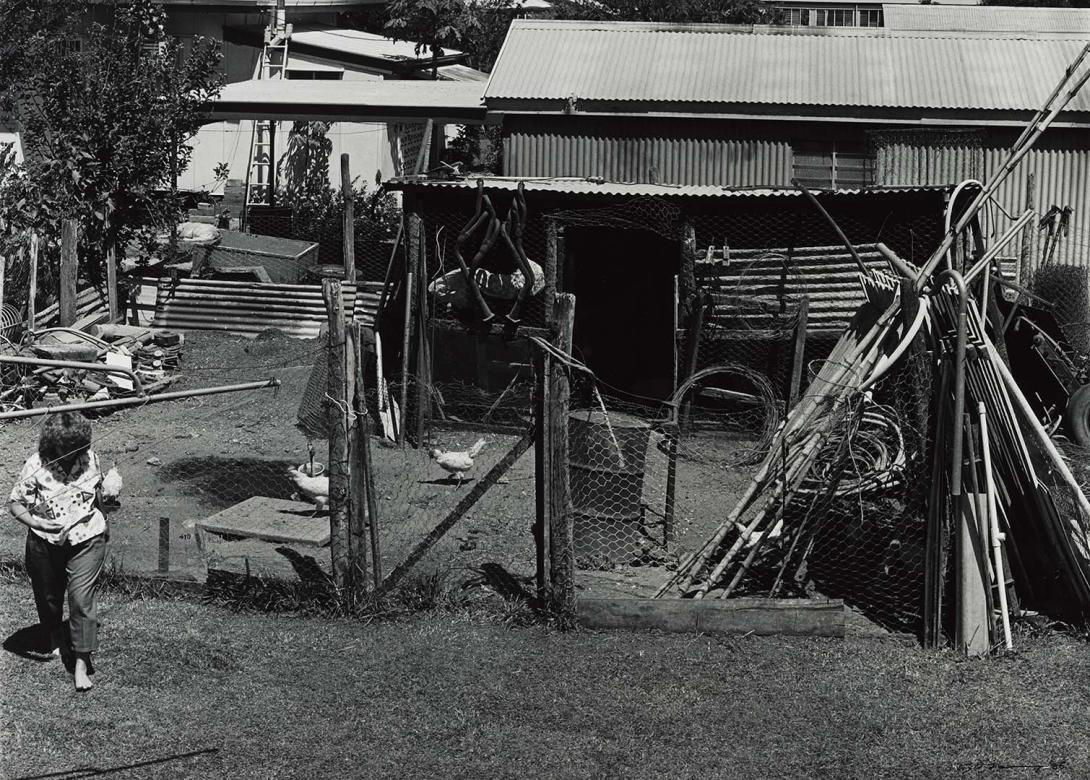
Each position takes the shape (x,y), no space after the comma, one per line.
(65,437)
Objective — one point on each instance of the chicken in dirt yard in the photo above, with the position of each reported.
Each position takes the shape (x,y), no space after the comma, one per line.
(312,489)
(457,463)
(111,487)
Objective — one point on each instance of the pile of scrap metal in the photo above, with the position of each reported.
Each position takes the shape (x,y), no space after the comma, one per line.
(1003,508)
(56,366)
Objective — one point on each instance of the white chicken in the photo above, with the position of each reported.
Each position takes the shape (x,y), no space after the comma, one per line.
(111,486)
(313,489)
(459,462)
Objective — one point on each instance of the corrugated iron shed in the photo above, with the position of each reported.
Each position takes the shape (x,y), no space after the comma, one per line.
(577,63)
(986,18)
(581,186)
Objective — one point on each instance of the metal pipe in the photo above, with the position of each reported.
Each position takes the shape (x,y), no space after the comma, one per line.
(100,367)
(959,374)
(997,247)
(948,213)
(993,526)
(902,267)
(840,233)
(118,403)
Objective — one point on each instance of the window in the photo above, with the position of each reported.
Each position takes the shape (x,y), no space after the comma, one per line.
(70,46)
(870,17)
(832,164)
(833,16)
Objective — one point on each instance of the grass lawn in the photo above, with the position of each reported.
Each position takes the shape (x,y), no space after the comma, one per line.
(189,690)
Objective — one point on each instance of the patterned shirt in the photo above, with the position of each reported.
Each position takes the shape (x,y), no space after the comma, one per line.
(72,503)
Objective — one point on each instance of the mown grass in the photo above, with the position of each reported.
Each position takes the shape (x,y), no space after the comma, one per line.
(191,690)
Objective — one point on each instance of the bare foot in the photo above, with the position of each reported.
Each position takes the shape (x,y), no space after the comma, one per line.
(83,680)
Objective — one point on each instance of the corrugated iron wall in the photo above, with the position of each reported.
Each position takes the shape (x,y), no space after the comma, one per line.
(922,157)
(1060,163)
(645,154)
(1062,179)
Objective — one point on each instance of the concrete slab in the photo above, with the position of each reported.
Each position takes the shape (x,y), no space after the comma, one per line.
(271,520)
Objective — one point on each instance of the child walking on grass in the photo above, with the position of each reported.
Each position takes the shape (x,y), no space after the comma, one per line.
(58,498)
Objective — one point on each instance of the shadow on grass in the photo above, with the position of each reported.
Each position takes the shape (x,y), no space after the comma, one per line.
(96,771)
(227,481)
(29,642)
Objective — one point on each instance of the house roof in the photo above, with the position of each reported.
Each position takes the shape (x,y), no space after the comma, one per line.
(348,47)
(455,102)
(986,18)
(573,65)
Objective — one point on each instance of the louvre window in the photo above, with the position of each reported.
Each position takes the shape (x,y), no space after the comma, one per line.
(832,164)
(833,16)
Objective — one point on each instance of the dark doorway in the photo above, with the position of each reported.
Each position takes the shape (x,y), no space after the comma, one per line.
(623,281)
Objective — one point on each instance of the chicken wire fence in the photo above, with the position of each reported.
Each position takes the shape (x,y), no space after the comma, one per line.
(180,461)
(651,486)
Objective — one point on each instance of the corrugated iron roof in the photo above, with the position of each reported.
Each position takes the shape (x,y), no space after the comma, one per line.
(598,187)
(366,101)
(345,46)
(247,308)
(677,64)
(986,18)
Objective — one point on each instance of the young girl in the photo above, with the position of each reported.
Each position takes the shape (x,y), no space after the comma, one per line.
(57,497)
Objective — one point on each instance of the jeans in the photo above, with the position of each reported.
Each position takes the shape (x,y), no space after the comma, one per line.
(53,569)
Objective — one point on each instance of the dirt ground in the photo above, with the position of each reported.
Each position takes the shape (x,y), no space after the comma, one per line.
(183,461)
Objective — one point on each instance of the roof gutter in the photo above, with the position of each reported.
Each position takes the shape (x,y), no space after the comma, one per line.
(968,119)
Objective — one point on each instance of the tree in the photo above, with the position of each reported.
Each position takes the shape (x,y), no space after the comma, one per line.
(670,11)
(104,125)
(434,25)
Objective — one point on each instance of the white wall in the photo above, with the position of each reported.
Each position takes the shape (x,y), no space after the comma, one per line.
(368,145)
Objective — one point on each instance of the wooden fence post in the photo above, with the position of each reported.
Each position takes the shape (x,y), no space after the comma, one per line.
(32,287)
(336,408)
(367,509)
(560,516)
(66,311)
(349,227)
(357,465)
(1025,258)
(542,469)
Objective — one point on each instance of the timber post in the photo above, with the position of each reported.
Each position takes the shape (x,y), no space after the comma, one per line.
(32,291)
(357,461)
(69,270)
(1025,257)
(339,468)
(349,224)
(559,501)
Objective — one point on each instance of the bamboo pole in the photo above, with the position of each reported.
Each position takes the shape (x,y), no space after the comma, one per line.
(406,336)
(119,403)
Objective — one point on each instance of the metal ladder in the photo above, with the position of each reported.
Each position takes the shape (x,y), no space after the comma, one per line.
(261,173)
